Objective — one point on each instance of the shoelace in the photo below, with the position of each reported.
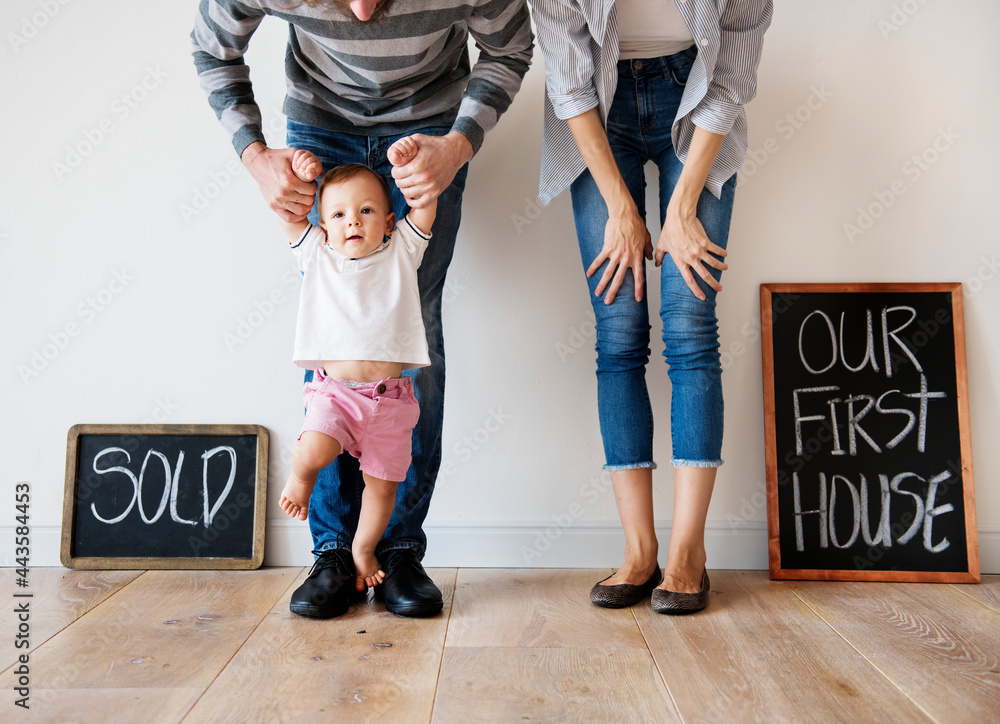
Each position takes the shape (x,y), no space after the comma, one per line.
(327,559)
(394,557)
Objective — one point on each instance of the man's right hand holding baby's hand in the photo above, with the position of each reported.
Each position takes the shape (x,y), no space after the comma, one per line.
(290,197)
(303,168)
(306,165)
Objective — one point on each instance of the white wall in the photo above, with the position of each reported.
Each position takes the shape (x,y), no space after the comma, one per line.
(873,83)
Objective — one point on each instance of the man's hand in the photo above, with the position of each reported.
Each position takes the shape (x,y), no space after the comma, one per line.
(402,152)
(433,168)
(289,197)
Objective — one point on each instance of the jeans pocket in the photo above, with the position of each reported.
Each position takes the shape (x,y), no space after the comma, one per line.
(680,65)
(621,115)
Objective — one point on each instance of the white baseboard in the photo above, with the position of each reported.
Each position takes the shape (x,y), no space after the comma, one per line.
(520,544)
(533,545)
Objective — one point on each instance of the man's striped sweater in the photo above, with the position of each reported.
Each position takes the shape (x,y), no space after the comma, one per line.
(388,76)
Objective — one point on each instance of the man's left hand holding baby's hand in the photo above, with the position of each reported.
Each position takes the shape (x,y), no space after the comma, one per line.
(423,173)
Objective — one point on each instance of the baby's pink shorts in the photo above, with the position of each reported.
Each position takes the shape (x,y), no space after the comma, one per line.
(373,421)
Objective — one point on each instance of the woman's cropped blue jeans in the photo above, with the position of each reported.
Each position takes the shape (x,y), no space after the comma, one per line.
(639,123)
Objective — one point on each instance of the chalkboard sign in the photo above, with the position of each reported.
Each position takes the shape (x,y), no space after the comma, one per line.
(866,411)
(164,496)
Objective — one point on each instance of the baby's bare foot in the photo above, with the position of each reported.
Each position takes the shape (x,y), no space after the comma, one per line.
(295,498)
(366,567)
(402,151)
(306,165)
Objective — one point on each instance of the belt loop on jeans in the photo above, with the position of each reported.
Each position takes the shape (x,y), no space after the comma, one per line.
(665,67)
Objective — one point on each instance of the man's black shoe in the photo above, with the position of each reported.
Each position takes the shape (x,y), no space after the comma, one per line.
(328,590)
(407,589)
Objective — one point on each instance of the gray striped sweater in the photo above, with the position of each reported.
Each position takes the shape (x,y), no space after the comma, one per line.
(408,70)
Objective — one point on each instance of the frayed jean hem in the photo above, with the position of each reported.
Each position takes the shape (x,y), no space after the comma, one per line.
(634,466)
(677,463)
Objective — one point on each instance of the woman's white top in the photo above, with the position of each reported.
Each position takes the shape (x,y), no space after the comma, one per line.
(650,28)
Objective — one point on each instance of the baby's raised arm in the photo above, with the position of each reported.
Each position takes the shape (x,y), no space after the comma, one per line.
(307,167)
(399,154)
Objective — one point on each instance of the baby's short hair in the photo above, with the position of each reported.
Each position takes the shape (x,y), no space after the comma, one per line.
(345,172)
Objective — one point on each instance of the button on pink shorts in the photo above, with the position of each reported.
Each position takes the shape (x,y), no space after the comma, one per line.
(373,422)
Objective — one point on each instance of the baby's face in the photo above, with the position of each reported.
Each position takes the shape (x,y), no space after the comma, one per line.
(356,217)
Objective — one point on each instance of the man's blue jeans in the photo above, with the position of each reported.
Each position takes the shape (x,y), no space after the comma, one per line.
(336,499)
(645,105)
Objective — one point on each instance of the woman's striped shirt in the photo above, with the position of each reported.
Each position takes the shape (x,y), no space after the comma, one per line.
(580,41)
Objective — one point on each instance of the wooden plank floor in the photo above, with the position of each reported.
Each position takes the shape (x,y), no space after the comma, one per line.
(510,646)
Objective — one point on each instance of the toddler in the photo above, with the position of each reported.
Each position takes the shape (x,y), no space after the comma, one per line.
(359,326)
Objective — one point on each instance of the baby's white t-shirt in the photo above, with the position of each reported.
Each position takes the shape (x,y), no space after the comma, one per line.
(361,309)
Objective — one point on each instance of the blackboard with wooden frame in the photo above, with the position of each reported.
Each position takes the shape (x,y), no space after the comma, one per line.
(866,419)
(164,496)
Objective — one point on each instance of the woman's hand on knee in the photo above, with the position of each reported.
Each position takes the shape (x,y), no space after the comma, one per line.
(627,244)
(684,238)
